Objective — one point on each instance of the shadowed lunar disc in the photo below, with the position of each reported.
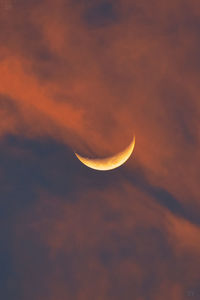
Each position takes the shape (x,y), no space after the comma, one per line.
(108,163)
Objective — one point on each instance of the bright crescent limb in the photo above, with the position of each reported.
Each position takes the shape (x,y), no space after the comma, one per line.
(108,163)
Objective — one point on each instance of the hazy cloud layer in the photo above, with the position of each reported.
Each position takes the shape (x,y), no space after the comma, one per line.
(85,76)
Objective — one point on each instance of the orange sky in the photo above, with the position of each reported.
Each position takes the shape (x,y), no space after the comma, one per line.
(86,76)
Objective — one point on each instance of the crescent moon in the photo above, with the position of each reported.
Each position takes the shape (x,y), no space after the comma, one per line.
(108,163)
